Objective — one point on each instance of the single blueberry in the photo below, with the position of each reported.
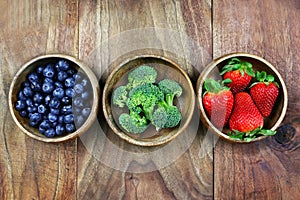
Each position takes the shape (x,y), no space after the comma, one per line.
(69,118)
(66,109)
(85,95)
(62,75)
(29,102)
(27,91)
(31,109)
(58,93)
(33,77)
(47,87)
(60,129)
(54,103)
(20,105)
(25,84)
(52,117)
(58,84)
(49,71)
(79,121)
(41,130)
(78,102)
(62,65)
(60,119)
(48,99)
(42,109)
(70,128)
(66,100)
(70,82)
(38,97)
(84,82)
(23,113)
(45,124)
(54,111)
(35,119)
(21,95)
(40,69)
(86,111)
(49,133)
(78,88)
(71,72)
(70,92)
(78,76)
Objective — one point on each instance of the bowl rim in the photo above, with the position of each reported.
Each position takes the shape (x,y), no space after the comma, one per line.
(206,72)
(95,88)
(125,136)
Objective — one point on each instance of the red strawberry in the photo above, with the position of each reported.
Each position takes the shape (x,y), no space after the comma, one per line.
(218,102)
(239,72)
(245,116)
(264,93)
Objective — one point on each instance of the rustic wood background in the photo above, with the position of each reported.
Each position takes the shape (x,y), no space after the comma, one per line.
(269,169)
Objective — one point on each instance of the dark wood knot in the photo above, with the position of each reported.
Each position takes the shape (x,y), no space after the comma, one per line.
(285,134)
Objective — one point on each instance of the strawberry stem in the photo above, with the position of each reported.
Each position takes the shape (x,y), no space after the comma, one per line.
(237,64)
(263,77)
(214,86)
(251,135)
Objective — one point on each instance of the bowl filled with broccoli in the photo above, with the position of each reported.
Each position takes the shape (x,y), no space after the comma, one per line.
(148,100)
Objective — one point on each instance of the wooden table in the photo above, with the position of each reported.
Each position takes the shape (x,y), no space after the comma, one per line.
(269,169)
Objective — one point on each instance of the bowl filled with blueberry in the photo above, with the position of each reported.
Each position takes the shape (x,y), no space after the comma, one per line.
(54,98)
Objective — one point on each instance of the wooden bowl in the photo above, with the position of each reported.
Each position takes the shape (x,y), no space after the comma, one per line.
(259,64)
(165,68)
(23,123)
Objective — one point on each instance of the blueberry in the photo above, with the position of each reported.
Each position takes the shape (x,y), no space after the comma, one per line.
(33,77)
(49,71)
(86,111)
(79,120)
(77,110)
(41,130)
(36,86)
(49,133)
(78,88)
(58,93)
(62,65)
(40,69)
(78,102)
(69,118)
(31,109)
(84,82)
(70,82)
(60,119)
(70,92)
(85,95)
(54,103)
(23,113)
(38,98)
(35,118)
(20,105)
(66,109)
(48,80)
(26,84)
(78,76)
(52,117)
(66,100)
(29,102)
(47,99)
(71,72)
(62,75)
(27,91)
(42,109)
(47,87)
(60,129)
(45,124)
(58,84)
(70,128)
(21,96)
(54,111)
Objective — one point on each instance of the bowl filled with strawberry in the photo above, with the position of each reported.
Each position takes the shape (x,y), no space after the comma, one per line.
(242,97)
(54,98)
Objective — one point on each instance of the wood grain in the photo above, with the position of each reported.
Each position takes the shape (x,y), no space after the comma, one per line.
(30,169)
(259,171)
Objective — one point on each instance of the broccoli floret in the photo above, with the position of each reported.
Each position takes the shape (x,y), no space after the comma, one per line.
(141,75)
(128,122)
(167,115)
(143,98)
(120,96)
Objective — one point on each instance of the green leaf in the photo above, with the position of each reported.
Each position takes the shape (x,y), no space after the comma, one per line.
(236,66)
(270,78)
(227,81)
(250,72)
(247,64)
(236,60)
(267,132)
(249,139)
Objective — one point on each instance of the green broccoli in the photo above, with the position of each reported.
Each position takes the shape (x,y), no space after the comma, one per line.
(141,75)
(167,115)
(143,98)
(120,96)
(133,123)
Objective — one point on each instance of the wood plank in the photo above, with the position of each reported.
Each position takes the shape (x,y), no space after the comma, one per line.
(30,169)
(189,177)
(268,169)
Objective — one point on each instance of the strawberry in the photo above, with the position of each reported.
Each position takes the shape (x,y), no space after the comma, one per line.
(245,116)
(264,93)
(218,102)
(239,72)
